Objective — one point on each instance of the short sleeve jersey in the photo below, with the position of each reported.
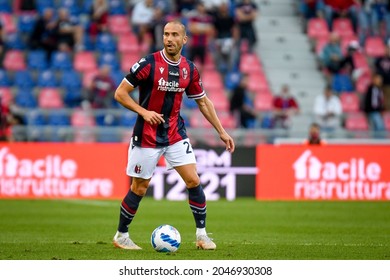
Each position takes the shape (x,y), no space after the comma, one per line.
(162,83)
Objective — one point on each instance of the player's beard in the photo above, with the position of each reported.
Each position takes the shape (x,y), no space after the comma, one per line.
(173,50)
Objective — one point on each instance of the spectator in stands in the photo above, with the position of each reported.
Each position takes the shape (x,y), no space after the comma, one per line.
(314,136)
(70,35)
(347,64)
(246,13)
(327,110)
(374,103)
(184,6)
(382,67)
(102,89)
(241,105)
(44,34)
(141,19)
(200,26)
(341,8)
(2,45)
(310,8)
(226,39)
(377,16)
(99,17)
(4,124)
(284,107)
(25,6)
(331,55)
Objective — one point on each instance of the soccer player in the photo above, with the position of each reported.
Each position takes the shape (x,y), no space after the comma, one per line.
(162,78)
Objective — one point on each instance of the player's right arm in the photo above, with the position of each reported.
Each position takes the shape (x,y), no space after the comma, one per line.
(122,96)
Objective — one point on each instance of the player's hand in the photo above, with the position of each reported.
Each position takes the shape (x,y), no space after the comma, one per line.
(153,118)
(229,143)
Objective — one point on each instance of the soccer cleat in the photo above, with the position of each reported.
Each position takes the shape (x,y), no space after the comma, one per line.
(204,242)
(124,242)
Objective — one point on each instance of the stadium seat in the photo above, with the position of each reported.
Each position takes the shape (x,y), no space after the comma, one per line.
(50,98)
(82,118)
(320,44)
(84,135)
(88,78)
(345,43)
(86,6)
(219,99)
(257,82)
(108,136)
(118,24)
(342,82)
(349,102)
(127,119)
(88,42)
(386,119)
(72,6)
(70,79)
(61,61)
(14,41)
(44,4)
(37,60)
(105,118)
(26,22)
(128,60)
(5,80)
(317,28)
(25,98)
(6,96)
(35,117)
(117,76)
(363,82)
(109,59)
(250,62)
(263,101)
(84,61)
(128,42)
(356,121)
(198,121)
(343,27)
(212,80)
(24,79)
(47,78)
(374,46)
(58,118)
(8,23)
(232,80)
(14,60)
(360,61)
(105,42)
(117,7)
(5,6)
(72,97)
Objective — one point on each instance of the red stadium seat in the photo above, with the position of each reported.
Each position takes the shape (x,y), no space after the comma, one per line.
(118,24)
(82,118)
(128,42)
(128,60)
(363,82)
(258,82)
(360,61)
(374,46)
(85,61)
(6,96)
(345,42)
(264,101)
(84,135)
(343,27)
(250,62)
(356,121)
(317,28)
(197,120)
(386,119)
(320,44)
(14,60)
(8,22)
(212,80)
(219,99)
(349,102)
(88,77)
(50,98)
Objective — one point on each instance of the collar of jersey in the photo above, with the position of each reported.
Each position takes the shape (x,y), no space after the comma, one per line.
(167,60)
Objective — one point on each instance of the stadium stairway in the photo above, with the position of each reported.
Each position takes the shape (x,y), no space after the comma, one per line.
(287,58)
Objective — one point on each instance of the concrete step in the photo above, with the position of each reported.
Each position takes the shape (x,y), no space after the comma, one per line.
(278,24)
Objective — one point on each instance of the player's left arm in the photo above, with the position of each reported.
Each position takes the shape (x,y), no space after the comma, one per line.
(207,109)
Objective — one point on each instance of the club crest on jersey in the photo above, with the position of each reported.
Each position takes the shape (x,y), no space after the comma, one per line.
(184,73)
(138,169)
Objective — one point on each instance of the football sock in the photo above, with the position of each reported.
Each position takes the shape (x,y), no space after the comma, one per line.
(128,210)
(197,201)
(201,231)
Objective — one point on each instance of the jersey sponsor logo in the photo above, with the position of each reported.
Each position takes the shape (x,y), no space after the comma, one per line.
(184,73)
(161,69)
(173,73)
(164,85)
(135,67)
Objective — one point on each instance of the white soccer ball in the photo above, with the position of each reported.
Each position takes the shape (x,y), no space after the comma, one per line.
(165,238)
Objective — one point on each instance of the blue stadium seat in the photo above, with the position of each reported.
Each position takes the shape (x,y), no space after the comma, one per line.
(342,83)
(117,76)
(24,79)
(116,7)
(26,23)
(106,119)
(72,6)
(86,6)
(72,97)
(5,81)
(109,59)
(43,4)
(232,80)
(61,61)
(89,44)
(58,118)
(105,43)
(37,60)
(14,41)
(127,118)
(35,117)
(47,78)
(25,98)
(70,79)
(5,6)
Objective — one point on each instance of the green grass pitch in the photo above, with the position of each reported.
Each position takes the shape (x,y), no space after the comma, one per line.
(244,229)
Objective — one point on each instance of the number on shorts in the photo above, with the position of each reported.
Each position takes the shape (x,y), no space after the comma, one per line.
(188,151)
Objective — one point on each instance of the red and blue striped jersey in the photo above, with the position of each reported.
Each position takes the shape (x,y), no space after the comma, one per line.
(162,83)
